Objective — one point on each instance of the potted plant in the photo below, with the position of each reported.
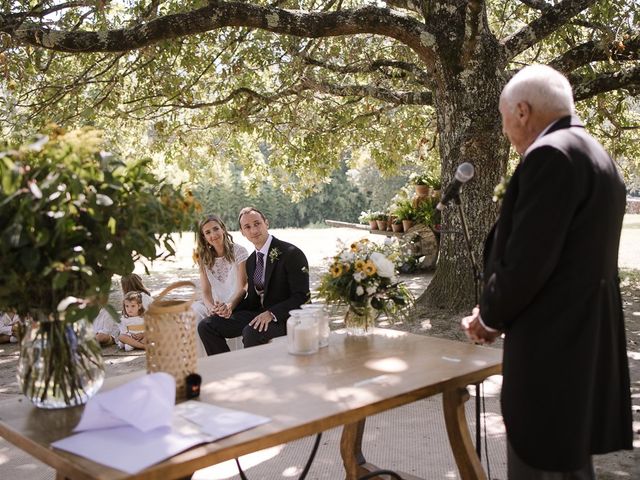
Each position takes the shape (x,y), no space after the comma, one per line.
(71,216)
(396,225)
(381,220)
(406,214)
(421,183)
(370,218)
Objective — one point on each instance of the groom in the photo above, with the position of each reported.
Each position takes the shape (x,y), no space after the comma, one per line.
(278,281)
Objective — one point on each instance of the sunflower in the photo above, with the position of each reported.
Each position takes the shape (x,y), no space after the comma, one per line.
(359,265)
(335,270)
(370,268)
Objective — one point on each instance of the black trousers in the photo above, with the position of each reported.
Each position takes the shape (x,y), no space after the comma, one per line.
(214,331)
(518,470)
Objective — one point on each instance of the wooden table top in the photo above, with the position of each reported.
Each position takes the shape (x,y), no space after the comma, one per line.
(354,377)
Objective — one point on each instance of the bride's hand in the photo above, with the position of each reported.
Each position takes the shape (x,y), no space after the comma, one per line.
(224,310)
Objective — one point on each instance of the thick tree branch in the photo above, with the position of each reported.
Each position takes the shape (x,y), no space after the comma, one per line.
(474,17)
(216,15)
(605,82)
(598,51)
(543,26)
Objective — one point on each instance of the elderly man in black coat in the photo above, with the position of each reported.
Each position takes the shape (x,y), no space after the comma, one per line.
(551,285)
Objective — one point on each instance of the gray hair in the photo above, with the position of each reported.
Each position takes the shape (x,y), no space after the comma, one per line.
(542,87)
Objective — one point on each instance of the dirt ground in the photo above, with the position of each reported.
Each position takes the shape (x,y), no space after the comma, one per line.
(320,244)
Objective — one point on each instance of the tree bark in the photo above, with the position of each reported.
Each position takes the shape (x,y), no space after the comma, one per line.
(467,91)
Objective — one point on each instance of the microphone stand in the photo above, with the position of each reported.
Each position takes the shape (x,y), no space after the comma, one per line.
(476,291)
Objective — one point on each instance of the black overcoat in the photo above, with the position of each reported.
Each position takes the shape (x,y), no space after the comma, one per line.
(551,283)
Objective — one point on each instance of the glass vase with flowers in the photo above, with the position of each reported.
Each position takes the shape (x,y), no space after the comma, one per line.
(72,216)
(364,277)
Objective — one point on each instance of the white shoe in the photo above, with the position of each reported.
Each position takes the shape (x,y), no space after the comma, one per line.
(13,339)
(127,347)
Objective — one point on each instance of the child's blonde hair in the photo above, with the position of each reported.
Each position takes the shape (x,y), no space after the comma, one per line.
(132,297)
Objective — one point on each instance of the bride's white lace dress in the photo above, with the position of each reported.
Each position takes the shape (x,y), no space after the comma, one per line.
(223,278)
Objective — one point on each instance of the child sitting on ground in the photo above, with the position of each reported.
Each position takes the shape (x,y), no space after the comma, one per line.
(106,329)
(132,324)
(9,326)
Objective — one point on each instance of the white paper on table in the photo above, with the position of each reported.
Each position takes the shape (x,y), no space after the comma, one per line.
(145,403)
(137,425)
(218,422)
(131,450)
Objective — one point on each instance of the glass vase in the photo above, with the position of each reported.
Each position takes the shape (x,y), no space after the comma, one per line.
(60,363)
(360,320)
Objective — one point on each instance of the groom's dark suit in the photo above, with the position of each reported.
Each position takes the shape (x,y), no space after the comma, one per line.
(286,287)
(551,283)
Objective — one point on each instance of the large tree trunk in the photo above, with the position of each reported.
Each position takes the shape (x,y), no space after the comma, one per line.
(467,91)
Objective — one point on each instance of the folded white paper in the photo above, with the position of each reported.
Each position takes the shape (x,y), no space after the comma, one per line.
(137,425)
(145,403)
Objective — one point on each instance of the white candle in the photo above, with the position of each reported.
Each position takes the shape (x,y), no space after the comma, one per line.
(305,338)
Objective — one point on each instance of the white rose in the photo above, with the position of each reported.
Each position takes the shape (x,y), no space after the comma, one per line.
(384,266)
(347,256)
(359,290)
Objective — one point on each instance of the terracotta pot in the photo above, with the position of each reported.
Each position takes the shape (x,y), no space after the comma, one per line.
(396,227)
(422,190)
(407,224)
(373,225)
(382,225)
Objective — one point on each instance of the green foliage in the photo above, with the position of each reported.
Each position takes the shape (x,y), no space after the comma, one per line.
(425,179)
(404,210)
(71,216)
(337,200)
(426,212)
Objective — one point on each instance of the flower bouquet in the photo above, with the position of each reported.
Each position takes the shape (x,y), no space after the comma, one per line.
(363,276)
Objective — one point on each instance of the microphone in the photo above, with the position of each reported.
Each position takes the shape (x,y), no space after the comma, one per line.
(463,174)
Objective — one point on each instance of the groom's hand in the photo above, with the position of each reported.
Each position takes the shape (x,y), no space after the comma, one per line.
(261,322)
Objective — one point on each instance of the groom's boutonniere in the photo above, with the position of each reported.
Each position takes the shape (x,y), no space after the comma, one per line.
(274,254)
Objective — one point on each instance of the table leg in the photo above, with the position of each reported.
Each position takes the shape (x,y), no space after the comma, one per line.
(354,462)
(351,449)
(468,463)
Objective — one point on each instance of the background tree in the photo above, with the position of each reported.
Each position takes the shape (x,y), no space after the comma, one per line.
(315,77)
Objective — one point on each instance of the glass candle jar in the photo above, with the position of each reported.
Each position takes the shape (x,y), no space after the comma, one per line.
(321,314)
(302,332)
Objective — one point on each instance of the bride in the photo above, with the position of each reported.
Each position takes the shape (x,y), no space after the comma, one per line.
(223,277)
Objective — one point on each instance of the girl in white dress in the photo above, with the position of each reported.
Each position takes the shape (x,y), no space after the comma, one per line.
(223,277)
(132,324)
(104,326)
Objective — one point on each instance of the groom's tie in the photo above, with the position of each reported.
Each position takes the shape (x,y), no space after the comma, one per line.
(257,274)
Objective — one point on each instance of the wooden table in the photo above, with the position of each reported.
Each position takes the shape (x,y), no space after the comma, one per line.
(343,384)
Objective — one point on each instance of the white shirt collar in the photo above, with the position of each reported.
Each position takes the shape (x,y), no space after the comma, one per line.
(265,248)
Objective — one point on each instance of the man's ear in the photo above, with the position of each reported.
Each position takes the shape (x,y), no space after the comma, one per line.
(523,112)
(266,222)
